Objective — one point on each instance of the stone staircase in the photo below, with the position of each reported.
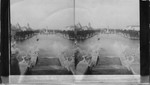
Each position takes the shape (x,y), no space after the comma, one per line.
(105,66)
(48,66)
(110,66)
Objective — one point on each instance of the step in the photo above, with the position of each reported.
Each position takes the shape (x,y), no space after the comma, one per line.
(48,66)
(49,70)
(110,70)
(109,61)
(48,61)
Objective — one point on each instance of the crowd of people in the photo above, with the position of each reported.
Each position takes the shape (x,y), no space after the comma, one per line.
(23,35)
(78,35)
(132,34)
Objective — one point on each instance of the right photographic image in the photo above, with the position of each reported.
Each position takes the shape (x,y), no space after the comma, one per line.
(114,46)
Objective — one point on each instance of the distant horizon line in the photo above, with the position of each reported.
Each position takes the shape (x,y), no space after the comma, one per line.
(77,24)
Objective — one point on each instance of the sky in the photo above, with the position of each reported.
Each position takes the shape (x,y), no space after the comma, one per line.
(108,13)
(57,14)
(54,14)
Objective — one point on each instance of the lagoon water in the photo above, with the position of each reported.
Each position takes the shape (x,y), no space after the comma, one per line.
(109,45)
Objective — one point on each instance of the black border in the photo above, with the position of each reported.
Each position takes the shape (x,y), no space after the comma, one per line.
(5,5)
(144,36)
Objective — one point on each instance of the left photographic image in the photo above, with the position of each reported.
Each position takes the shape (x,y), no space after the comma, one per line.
(38,37)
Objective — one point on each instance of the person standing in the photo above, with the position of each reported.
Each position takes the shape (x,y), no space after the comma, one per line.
(14,63)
